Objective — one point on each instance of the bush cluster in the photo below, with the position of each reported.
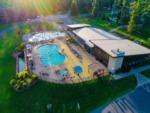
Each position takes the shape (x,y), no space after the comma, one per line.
(23,80)
(20,47)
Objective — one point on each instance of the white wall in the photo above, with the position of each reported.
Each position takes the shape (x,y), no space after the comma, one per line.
(115,63)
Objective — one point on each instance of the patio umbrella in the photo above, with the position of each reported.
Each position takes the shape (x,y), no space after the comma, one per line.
(78,69)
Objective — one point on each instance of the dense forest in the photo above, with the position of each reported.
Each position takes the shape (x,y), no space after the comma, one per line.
(133,13)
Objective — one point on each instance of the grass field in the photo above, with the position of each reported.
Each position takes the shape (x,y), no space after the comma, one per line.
(3,26)
(146,73)
(64,98)
(96,23)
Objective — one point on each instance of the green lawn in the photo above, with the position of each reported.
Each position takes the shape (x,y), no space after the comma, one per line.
(146,73)
(96,23)
(90,94)
(3,26)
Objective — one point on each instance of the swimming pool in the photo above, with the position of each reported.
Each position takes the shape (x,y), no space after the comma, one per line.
(50,55)
(21,65)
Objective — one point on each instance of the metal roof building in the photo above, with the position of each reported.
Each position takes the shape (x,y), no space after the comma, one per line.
(129,48)
(113,51)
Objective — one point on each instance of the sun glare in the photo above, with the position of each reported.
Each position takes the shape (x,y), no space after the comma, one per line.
(40,6)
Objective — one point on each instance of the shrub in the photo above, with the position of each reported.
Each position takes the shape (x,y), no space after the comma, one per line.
(23,80)
(34,77)
(24,84)
(20,47)
(23,74)
(12,82)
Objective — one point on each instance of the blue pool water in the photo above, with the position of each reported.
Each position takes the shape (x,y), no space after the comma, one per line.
(21,65)
(50,56)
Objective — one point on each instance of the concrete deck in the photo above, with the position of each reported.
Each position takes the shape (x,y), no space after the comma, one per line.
(71,61)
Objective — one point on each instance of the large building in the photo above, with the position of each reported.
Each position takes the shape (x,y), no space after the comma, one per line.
(114,52)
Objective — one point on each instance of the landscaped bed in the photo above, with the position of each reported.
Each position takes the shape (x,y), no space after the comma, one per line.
(146,73)
(63,98)
(23,80)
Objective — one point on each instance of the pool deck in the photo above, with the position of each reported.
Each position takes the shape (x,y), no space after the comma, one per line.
(71,61)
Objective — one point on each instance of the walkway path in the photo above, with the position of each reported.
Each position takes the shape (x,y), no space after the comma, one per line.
(119,27)
(132,72)
(141,79)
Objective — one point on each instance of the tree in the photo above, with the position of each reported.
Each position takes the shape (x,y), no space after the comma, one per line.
(117,6)
(145,14)
(101,8)
(74,8)
(139,7)
(124,13)
(133,19)
(85,6)
(20,47)
(145,17)
(94,8)
(97,8)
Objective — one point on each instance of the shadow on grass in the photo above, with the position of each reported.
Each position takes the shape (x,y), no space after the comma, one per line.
(64,98)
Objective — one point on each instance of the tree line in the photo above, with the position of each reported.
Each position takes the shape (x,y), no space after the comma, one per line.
(132,13)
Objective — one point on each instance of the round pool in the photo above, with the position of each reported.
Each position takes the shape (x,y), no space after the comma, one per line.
(50,55)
